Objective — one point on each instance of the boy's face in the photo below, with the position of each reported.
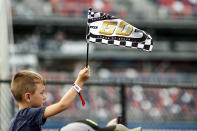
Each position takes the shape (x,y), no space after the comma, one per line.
(38,98)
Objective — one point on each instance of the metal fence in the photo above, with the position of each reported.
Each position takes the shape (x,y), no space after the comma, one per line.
(153,106)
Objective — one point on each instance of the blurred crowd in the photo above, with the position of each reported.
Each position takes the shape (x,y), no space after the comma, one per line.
(143,9)
(67,8)
(172,104)
(178,8)
(40,42)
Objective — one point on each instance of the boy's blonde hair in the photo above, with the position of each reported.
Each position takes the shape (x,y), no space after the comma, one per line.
(25,82)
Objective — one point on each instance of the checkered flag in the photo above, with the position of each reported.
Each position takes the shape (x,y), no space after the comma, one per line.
(107,29)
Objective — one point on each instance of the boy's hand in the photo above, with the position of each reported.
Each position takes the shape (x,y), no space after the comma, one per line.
(83,76)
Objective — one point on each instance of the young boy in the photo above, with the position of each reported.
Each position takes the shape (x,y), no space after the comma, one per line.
(28,90)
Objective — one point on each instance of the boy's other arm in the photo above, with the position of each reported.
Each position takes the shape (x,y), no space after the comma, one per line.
(69,97)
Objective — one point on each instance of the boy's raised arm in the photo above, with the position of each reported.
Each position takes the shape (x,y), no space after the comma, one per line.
(69,97)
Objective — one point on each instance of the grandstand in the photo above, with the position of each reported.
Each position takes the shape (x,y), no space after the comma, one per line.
(154,90)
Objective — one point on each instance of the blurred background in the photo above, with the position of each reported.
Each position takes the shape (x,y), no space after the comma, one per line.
(155,90)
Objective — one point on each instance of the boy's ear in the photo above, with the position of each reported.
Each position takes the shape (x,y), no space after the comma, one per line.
(27,97)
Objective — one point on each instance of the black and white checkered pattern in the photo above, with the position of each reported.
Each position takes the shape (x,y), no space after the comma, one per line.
(92,14)
(145,42)
(146,45)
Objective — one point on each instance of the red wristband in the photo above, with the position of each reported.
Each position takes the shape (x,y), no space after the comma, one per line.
(78,89)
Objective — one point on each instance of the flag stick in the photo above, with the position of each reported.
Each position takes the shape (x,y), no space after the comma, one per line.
(87,53)
(87,32)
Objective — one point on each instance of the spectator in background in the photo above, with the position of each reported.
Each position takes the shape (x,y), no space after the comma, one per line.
(70,7)
(179,8)
(60,39)
(53,44)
